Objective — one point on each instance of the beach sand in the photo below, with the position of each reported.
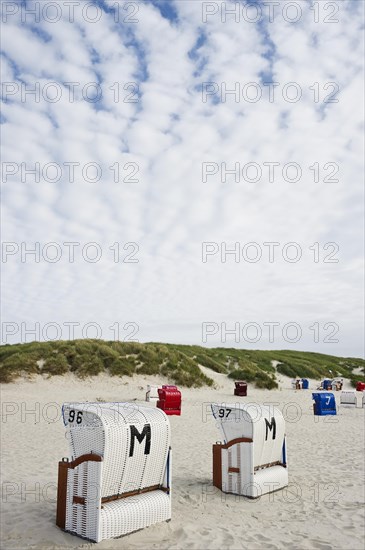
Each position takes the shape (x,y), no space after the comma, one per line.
(322,508)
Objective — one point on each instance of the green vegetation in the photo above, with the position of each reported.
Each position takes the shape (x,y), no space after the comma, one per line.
(177,363)
(56,364)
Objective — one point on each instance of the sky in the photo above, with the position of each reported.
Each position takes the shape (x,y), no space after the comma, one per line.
(184,171)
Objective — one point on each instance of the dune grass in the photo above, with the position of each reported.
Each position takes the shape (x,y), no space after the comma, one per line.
(179,364)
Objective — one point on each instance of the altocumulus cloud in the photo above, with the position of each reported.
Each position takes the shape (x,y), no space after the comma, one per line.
(154,98)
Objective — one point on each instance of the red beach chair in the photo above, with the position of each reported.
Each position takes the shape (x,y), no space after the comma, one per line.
(169,400)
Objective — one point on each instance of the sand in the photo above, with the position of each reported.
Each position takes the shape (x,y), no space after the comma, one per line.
(322,507)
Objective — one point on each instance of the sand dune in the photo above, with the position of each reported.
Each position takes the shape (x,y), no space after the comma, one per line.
(322,507)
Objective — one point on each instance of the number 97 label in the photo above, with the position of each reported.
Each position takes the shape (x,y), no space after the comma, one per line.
(224,413)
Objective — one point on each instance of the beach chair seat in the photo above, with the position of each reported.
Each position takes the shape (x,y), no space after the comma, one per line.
(124,516)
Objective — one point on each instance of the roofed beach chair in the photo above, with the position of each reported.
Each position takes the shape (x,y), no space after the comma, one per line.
(169,400)
(327,384)
(252,459)
(324,404)
(353,398)
(119,477)
(348,398)
(240,388)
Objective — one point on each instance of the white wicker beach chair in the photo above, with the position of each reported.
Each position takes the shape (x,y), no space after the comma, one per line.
(152,393)
(118,480)
(252,459)
(354,398)
(348,398)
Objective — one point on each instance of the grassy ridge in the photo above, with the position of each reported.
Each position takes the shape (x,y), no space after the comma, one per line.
(177,363)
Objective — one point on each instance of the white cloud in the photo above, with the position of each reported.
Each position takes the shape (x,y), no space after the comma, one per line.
(169,133)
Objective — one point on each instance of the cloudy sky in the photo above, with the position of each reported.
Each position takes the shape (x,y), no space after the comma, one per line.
(144,141)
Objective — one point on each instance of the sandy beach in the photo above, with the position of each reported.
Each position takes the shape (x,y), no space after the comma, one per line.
(322,508)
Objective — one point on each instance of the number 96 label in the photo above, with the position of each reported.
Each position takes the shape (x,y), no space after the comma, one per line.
(75,416)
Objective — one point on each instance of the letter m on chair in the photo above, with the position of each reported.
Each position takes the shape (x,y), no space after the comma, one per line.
(119,477)
(270,426)
(146,433)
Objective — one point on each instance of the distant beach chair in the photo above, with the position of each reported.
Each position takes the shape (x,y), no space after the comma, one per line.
(360,386)
(324,404)
(252,459)
(348,398)
(353,398)
(119,477)
(327,384)
(240,388)
(152,392)
(169,400)
(336,385)
(305,384)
